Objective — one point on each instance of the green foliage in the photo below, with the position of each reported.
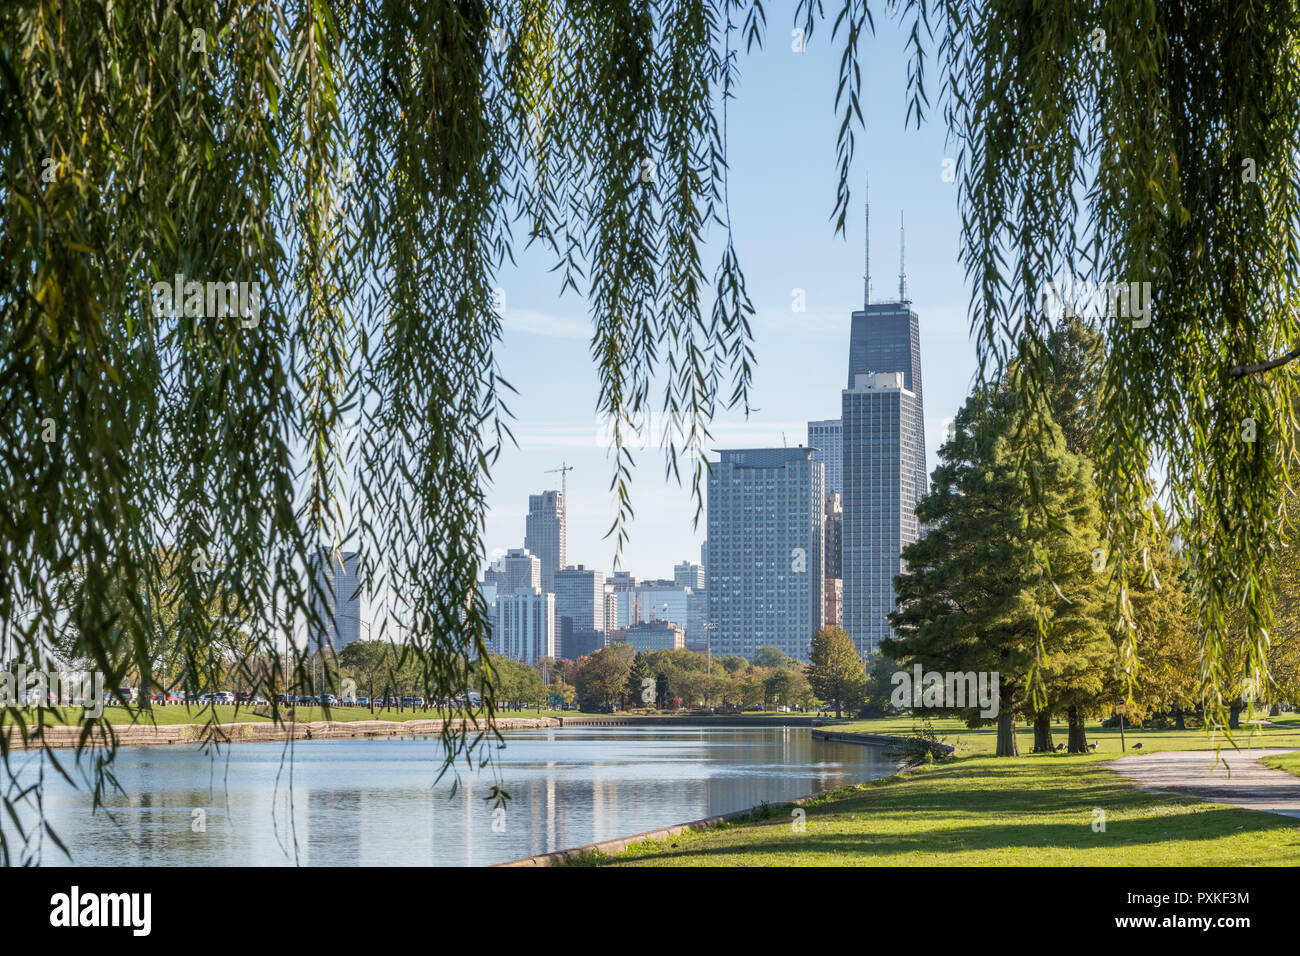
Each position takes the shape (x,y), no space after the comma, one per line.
(603,676)
(639,679)
(974,598)
(835,670)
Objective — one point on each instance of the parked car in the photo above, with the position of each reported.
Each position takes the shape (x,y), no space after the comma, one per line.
(363,701)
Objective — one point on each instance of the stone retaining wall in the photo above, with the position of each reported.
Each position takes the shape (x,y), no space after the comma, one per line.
(148,735)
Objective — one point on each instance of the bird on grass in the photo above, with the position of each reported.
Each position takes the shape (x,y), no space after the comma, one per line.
(1060,746)
(1137,746)
(1092,746)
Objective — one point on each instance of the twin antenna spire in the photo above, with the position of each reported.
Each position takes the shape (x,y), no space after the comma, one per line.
(902,270)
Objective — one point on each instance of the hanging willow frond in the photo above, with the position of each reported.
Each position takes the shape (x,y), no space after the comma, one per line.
(365,163)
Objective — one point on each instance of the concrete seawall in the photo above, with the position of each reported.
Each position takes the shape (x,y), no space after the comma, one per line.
(148,735)
(702,720)
(870,740)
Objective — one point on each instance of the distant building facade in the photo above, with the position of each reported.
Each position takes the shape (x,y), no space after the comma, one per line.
(546,534)
(338,606)
(580,595)
(525,629)
(883,454)
(825,438)
(520,569)
(766,543)
(656,636)
(629,605)
(688,575)
(834,600)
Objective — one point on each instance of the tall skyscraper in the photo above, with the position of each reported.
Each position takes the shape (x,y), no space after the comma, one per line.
(546,534)
(765,520)
(886,337)
(882,455)
(884,471)
(525,629)
(824,437)
(522,569)
(341,610)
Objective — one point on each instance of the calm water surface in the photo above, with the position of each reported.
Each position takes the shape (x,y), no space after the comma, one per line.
(374,802)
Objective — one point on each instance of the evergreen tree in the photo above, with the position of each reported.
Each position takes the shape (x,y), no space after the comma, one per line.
(638,679)
(972,597)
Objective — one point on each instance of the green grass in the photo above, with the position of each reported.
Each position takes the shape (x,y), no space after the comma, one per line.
(982,811)
(1288,762)
(982,741)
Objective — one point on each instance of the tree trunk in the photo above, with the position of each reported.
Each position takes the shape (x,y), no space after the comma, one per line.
(1234,715)
(1007,746)
(1275,709)
(1178,719)
(1078,736)
(1043,733)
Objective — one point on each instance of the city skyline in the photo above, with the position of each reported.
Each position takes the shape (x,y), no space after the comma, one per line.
(780,200)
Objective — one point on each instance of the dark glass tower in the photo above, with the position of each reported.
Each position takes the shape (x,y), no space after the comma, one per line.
(883,456)
(886,337)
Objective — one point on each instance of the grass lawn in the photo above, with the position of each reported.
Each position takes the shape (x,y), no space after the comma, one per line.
(1288,762)
(978,810)
(982,811)
(982,741)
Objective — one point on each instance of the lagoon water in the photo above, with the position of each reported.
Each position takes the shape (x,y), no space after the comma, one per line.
(375,802)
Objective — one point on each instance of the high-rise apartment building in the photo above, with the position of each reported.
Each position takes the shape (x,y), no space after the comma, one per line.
(882,455)
(525,628)
(612,600)
(546,534)
(824,438)
(765,553)
(340,612)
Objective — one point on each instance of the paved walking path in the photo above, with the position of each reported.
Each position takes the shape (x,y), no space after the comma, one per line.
(1250,785)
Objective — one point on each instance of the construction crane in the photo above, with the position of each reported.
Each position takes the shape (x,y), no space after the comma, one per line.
(564,487)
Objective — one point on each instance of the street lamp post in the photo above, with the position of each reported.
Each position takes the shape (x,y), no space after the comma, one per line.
(709,628)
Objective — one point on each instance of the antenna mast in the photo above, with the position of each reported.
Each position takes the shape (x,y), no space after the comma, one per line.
(902,272)
(866,244)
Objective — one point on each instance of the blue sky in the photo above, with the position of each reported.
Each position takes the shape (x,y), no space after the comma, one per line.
(782,129)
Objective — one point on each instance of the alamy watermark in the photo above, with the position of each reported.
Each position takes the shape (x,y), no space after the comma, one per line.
(951,690)
(1095,299)
(52,688)
(211,300)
